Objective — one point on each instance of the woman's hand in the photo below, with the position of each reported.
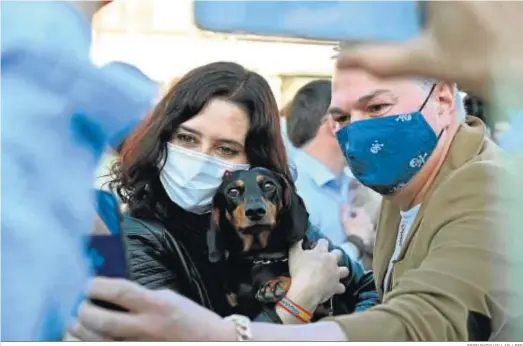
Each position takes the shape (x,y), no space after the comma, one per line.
(153,316)
(315,275)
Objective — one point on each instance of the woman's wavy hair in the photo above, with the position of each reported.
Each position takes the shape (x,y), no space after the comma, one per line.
(135,177)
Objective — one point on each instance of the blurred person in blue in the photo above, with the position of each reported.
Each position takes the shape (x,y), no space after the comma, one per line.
(512,139)
(115,144)
(59,111)
(505,131)
(324,180)
(147,83)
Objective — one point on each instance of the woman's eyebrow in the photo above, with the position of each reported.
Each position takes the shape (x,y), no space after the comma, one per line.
(230,141)
(221,140)
(188,129)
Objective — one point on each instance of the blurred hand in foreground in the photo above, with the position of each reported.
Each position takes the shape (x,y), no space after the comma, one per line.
(160,315)
(466,42)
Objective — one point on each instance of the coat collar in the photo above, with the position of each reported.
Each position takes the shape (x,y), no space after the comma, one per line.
(466,144)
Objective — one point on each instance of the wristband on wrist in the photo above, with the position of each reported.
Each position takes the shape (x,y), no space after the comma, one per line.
(358,243)
(295,310)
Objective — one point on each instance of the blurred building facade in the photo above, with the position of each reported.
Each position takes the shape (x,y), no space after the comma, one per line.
(161,38)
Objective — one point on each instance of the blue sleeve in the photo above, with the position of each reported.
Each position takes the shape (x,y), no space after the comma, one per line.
(143,84)
(137,97)
(351,250)
(360,291)
(512,141)
(267,318)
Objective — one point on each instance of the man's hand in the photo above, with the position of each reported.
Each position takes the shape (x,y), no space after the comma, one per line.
(462,42)
(315,274)
(153,316)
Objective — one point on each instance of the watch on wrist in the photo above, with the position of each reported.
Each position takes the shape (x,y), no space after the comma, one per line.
(358,243)
(242,325)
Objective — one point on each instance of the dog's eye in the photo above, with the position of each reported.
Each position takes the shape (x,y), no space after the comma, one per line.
(268,186)
(234,192)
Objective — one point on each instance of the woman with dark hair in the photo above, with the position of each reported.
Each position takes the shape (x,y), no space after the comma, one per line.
(217,117)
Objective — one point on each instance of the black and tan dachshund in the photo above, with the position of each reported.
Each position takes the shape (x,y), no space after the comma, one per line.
(256,218)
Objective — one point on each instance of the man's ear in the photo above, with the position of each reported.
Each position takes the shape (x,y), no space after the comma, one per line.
(215,244)
(445,96)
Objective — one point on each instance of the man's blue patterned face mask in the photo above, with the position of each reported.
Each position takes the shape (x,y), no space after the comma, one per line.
(386,153)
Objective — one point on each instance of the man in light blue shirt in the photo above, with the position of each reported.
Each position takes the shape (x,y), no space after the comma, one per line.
(322,181)
(512,140)
(58,113)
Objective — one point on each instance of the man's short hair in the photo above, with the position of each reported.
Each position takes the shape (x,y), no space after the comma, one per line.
(307,111)
(425,82)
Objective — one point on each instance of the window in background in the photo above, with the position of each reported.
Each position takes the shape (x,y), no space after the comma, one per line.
(139,15)
(110,18)
(173,16)
(275,83)
(125,16)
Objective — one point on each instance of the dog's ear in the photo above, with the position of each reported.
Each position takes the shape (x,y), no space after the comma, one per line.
(299,219)
(294,217)
(287,190)
(215,243)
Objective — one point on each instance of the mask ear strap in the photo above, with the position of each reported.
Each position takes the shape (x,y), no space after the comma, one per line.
(428,97)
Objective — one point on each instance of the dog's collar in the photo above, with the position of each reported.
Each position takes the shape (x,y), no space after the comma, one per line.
(259,261)
(270,258)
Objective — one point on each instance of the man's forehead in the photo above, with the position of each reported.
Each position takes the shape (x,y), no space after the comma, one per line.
(361,80)
(355,84)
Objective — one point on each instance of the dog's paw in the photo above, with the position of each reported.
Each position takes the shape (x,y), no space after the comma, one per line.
(273,290)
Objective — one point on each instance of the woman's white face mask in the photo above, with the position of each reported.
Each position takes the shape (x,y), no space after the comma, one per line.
(191,178)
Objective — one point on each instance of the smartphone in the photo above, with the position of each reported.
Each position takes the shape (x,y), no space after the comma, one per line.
(318,20)
(107,252)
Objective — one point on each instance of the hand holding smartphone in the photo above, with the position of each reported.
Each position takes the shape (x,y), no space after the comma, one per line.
(107,245)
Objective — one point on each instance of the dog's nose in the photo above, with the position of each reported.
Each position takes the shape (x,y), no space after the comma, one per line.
(255,212)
